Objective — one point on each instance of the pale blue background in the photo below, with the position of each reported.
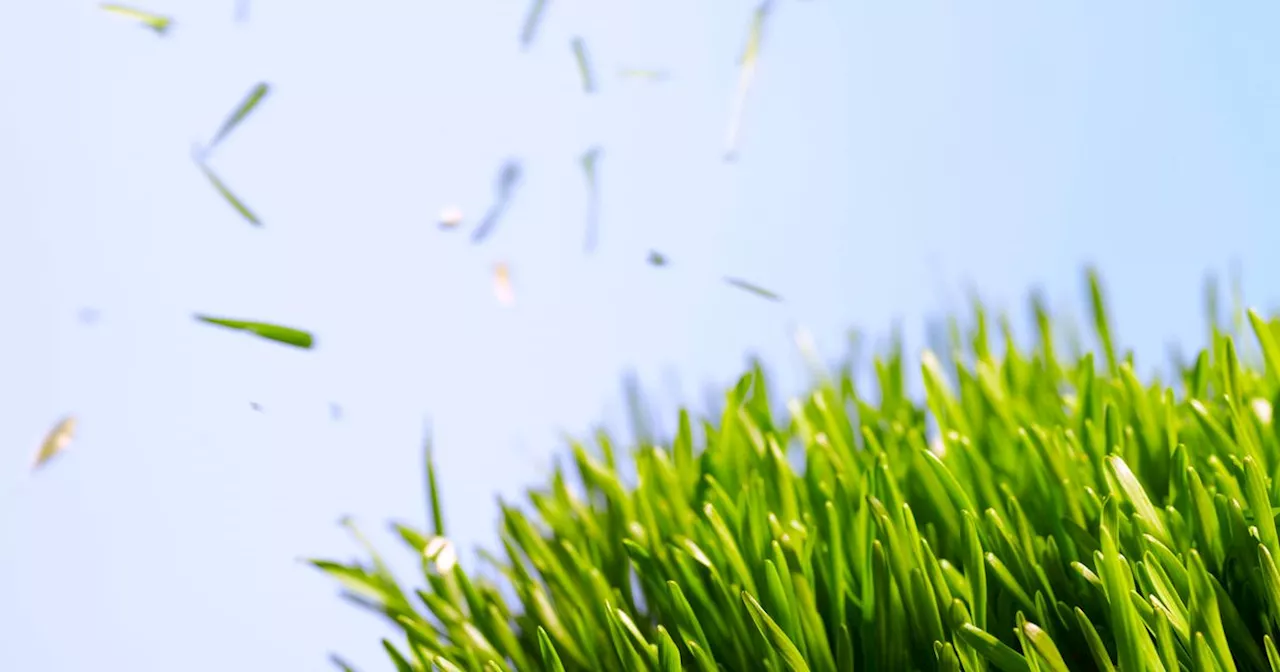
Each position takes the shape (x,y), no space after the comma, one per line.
(892,151)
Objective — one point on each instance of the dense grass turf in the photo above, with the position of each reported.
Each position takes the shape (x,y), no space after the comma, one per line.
(1067,516)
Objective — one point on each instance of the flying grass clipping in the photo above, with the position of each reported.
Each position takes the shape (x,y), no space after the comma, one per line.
(746,77)
(55,442)
(271,332)
(156,23)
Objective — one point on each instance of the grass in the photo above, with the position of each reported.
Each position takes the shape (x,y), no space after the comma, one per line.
(1035,512)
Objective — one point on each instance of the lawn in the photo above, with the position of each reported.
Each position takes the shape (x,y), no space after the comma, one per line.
(1034,509)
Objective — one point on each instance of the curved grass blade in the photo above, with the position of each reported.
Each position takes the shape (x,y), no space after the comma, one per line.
(550,659)
(508,178)
(746,77)
(341,664)
(782,645)
(588,161)
(584,65)
(272,332)
(753,288)
(251,101)
(56,441)
(155,22)
(228,195)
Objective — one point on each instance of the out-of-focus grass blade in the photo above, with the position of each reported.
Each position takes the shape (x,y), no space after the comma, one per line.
(157,23)
(531,22)
(502,285)
(1267,341)
(657,258)
(589,160)
(272,332)
(584,65)
(56,441)
(508,177)
(644,74)
(753,288)
(341,664)
(433,490)
(228,195)
(251,101)
(746,76)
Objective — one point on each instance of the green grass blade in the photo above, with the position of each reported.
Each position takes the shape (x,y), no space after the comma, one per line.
(228,195)
(272,332)
(237,116)
(782,645)
(154,22)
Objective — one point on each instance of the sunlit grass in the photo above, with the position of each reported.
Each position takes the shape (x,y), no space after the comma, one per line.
(1032,512)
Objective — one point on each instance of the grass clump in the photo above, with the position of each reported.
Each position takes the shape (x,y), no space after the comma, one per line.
(1032,513)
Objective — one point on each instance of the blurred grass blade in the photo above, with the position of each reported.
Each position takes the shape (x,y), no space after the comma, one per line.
(251,101)
(644,74)
(272,332)
(753,288)
(341,664)
(746,77)
(532,20)
(433,489)
(55,441)
(589,160)
(504,187)
(657,258)
(155,22)
(584,65)
(227,194)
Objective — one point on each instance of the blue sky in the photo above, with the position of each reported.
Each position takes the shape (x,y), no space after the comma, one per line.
(893,154)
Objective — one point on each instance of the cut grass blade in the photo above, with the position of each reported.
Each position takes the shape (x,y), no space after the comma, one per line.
(227,194)
(588,161)
(251,101)
(746,77)
(55,441)
(272,332)
(753,289)
(154,22)
(643,74)
(504,187)
(532,20)
(585,75)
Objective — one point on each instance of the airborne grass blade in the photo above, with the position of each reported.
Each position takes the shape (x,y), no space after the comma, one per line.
(532,20)
(504,186)
(251,101)
(56,441)
(746,77)
(753,288)
(585,74)
(272,332)
(227,194)
(155,22)
(589,161)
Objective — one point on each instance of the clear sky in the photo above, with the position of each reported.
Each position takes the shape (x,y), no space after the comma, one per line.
(893,153)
